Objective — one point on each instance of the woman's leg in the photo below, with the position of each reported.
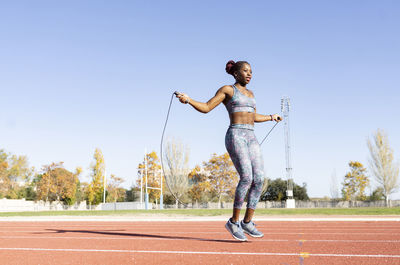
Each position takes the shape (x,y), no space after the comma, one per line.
(258,177)
(255,190)
(236,144)
(235,215)
(248,215)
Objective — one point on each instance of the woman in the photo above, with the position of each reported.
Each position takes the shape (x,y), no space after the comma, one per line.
(241,143)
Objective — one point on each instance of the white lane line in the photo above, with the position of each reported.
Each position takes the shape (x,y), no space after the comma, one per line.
(174,225)
(133,233)
(200,239)
(352,241)
(267,230)
(263,226)
(203,252)
(209,231)
(354,255)
(196,219)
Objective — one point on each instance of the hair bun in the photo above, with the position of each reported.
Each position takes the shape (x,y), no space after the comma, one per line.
(229,67)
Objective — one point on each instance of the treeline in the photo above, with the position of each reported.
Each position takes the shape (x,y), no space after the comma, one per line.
(55,183)
(214,180)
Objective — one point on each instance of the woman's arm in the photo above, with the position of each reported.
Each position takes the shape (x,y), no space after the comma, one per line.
(263,118)
(209,105)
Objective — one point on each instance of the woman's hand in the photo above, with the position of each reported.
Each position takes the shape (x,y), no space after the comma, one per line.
(183,98)
(276,117)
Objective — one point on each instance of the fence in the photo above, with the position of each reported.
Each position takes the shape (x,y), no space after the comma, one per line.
(113,206)
(345,204)
(299,204)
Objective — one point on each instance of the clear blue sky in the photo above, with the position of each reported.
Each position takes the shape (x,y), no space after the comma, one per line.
(76,75)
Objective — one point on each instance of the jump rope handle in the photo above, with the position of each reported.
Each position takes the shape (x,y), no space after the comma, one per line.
(176,93)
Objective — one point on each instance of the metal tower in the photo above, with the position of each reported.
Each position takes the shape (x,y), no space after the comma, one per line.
(285,107)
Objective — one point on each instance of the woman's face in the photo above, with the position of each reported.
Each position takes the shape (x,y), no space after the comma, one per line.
(243,76)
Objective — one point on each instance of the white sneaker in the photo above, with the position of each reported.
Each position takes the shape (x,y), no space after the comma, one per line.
(236,230)
(250,229)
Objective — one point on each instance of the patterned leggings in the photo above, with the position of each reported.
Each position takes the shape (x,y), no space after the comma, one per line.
(244,150)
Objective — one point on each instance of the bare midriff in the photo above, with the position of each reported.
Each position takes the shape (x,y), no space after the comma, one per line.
(242,118)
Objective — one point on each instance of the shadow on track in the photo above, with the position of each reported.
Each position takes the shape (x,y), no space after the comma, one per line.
(115,233)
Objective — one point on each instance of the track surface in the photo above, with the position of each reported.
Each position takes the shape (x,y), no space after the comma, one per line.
(285,243)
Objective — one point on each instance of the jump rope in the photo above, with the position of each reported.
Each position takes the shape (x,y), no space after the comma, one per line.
(176,93)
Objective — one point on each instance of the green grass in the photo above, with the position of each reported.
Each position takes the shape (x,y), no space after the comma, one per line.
(215,212)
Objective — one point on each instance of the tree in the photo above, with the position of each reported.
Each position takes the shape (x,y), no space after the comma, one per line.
(82,191)
(133,194)
(19,169)
(4,180)
(45,183)
(14,175)
(80,187)
(30,192)
(200,185)
(96,187)
(153,175)
(355,182)
(114,190)
(223,176)
(176,174)
(382,165)
(276,191)
(300,192)
(57,184)
(377,195)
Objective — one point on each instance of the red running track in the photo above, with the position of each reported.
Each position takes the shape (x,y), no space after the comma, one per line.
(285,243)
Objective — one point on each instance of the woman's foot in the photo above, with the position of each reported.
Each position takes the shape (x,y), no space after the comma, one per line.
(250,229)
(235,230)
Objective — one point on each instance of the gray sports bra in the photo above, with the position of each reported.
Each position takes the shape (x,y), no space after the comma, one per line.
(240,102)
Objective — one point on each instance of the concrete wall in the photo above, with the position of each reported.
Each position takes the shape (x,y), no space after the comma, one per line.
(22,205)
(29,206)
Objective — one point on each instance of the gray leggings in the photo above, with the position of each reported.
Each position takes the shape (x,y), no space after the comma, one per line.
(244,150)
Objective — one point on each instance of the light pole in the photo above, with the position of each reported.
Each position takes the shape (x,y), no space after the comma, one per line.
(285,108)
